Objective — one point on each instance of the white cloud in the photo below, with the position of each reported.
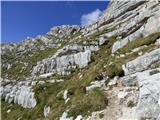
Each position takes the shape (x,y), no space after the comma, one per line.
(87,19)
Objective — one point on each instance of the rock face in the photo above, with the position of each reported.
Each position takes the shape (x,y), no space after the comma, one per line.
(149,95)
(63,65)
(19,93)
(128,20)
(136,71)
(50,40)
(143,62)
(148,82)
(140,16)
(66,59)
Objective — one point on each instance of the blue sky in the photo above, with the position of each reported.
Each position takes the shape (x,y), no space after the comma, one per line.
(29,19)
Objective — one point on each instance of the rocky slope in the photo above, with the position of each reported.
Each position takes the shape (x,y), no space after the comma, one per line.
(109,70)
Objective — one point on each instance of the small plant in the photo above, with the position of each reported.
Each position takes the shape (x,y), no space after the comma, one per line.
(114,70)
(154,72)
(130,104)
(101,115)
(147,118)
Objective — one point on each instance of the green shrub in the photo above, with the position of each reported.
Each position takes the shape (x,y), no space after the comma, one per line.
(130,104)
(101,115)
(114,70)
(154,72)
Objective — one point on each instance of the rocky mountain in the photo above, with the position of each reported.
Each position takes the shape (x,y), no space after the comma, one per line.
(109,70)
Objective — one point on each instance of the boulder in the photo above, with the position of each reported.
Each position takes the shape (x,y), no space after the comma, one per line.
(64,116)
(79,117)
(102,40)
(158,42)
(95,84)
(46,111)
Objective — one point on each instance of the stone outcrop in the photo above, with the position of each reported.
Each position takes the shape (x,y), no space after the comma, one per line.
(20,93)
(51,40)
(143,24)
(149,83)
(149,95)
(128,20)
(64,30)
(137,73)
(63,65)
(142,63)
(66,59)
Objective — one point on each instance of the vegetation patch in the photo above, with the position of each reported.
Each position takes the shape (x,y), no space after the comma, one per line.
(101,115)
(85,104)
(130,104)
(154,72)
(98,33)
(151,39)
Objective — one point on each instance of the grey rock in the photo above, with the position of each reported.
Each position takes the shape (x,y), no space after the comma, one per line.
(149,95)
(41,82)
(46,111)
(18,92)
(8,111)
(158,42)
(64,30)
(55,81)
(113,81)
(133,27)
(142,62)
(102,40)
(95,84)
(65,96)
(139,48)
(122,94)
(45,75)
(129,80)
(64,116)
(79,117)
(22,95)
(152,25)
(64,64)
